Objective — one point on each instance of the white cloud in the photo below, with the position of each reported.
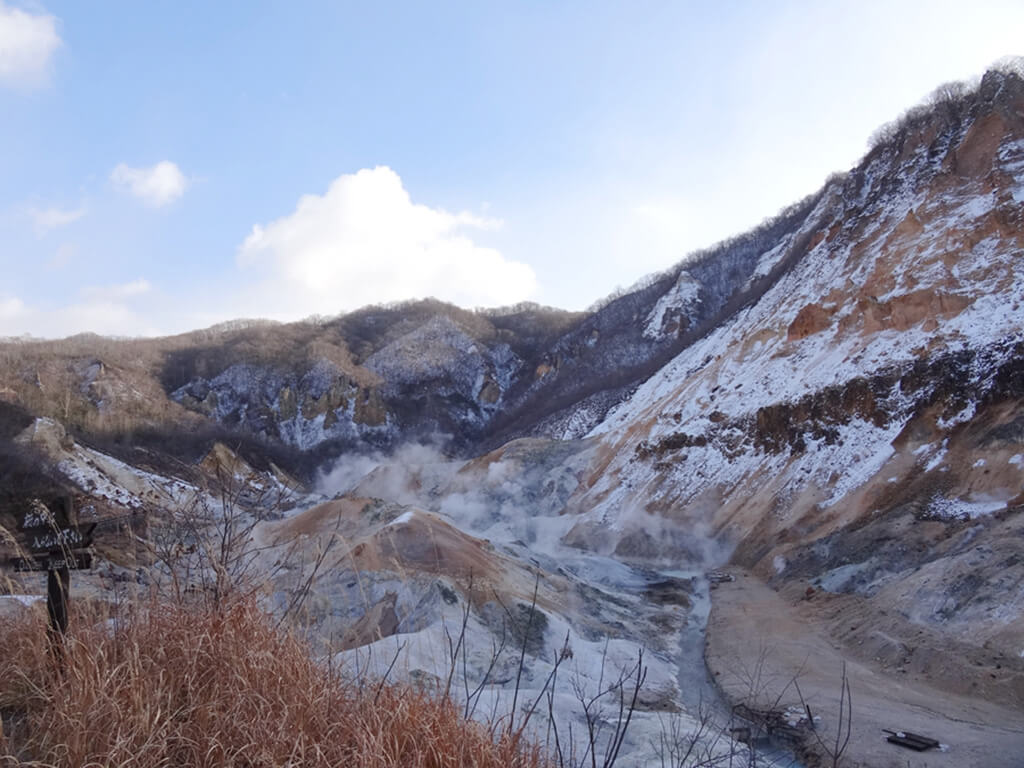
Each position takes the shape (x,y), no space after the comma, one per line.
(27,41)
(117,292)
(48,219)
(106,310)
(11,307)
(157,185)
(365,241)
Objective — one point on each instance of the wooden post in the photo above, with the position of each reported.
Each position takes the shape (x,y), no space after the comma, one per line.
(57,545)
(57,582)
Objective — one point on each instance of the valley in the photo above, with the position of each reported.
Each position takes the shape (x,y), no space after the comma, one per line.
(535,511)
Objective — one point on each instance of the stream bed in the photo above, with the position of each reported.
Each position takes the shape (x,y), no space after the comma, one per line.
(697,689)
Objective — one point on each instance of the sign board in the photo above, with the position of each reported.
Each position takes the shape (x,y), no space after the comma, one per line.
(39,517)
(57,545)
(58,540)
(51,527)
(74,561)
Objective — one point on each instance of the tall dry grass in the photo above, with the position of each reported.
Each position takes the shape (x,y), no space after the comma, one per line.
(169,684)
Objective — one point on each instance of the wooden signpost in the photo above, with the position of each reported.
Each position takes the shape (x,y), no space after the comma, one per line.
(57,544)
(73,561)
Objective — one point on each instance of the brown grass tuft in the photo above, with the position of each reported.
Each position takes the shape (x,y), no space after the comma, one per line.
(174,685)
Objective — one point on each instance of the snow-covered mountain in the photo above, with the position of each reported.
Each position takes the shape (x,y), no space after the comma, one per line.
(880,374)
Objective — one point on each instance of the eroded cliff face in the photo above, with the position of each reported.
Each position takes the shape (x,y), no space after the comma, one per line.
(858,425)
(478,380)
(437,377)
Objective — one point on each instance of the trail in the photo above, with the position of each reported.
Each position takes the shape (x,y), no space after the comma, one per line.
(758,641)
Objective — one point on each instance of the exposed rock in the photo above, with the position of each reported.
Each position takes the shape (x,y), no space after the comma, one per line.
(813,318)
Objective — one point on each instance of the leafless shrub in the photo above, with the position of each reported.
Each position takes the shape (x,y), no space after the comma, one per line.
(706,746)
(844,720)
(204,547)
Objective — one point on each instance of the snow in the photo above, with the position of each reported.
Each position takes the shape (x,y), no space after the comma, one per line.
(938,458)
(781,372)
(108,478)
(959,509)
(877,445)
(1011,155)
(25,600)
(682,297)
(771,258)
(1017,460)
(962,417)
(402,519)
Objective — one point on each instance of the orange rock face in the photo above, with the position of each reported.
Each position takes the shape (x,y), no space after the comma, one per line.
(812,319)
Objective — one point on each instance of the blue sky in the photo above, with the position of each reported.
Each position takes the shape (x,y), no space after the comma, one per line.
(169,165)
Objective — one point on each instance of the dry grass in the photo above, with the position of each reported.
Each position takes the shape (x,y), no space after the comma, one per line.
(175,685)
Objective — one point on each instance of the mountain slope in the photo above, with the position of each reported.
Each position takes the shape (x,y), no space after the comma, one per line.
(858,427)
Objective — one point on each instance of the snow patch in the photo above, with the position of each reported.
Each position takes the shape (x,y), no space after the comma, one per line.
(682,296)
(965,415)
(403,518)
(863,434)
(959,509)
(25,600)
(937,459)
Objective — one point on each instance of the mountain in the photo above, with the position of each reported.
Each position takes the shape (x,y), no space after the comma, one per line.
(829,405)
(879,377)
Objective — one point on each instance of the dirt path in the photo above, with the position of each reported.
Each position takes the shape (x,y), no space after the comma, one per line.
(757,642)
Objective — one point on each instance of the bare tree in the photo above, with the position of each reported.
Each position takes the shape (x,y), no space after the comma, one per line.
(206,546)
(836,747)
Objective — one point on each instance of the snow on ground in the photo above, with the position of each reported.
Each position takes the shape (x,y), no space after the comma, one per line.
(123,485)
(25,600)
(586,667)
(958,509)
(681,297)
(403,518)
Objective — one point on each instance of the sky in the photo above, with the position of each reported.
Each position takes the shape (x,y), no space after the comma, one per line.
(166,166)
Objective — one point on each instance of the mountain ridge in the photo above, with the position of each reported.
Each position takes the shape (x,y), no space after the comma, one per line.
(498,373)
